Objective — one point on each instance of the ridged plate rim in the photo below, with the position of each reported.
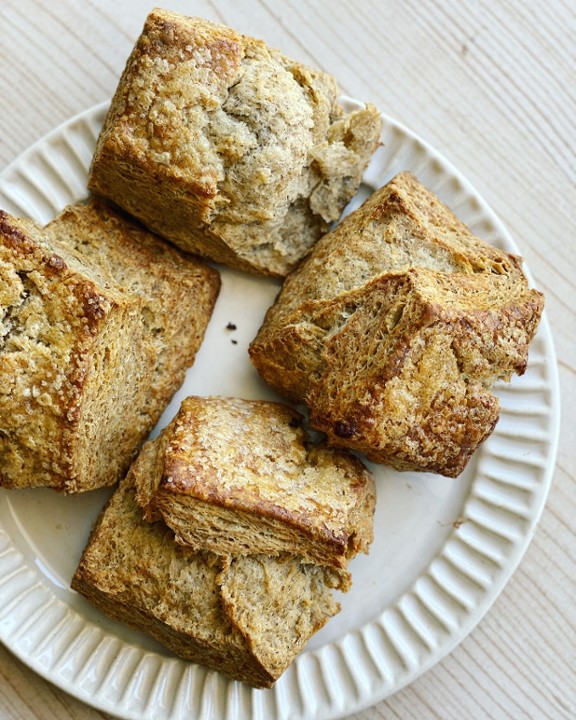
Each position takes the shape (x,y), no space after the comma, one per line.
(442,605)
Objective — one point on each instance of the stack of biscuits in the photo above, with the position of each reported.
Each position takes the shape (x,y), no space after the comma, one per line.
(228,534)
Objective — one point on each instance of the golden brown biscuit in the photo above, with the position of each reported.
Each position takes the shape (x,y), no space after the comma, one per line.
(247,617)
(237,477)
(227,148)
(395,328)
(99,320)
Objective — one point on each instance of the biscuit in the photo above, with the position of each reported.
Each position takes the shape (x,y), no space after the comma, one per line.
(395,328)
(247,617)
(227,148)
(238,477)
(99,321)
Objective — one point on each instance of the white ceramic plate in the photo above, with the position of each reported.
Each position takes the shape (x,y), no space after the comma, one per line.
(443,548)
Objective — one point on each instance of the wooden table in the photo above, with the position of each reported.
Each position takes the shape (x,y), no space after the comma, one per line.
(493,87)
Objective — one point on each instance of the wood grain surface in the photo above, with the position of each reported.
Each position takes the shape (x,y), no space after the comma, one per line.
(491,85)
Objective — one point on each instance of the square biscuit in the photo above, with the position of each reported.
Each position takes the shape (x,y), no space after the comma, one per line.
(247,617)
(395,328)
(238,477)
(227,148)
(99,320)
